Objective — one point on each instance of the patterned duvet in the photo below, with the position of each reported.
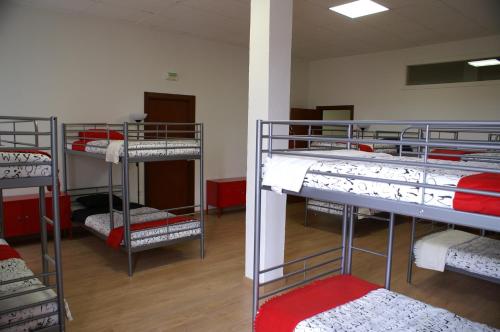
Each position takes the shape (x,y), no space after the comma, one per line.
(150,148)
(100,223)
(383,310)
(22,171)
(480,255)
(14,268)
(379,169)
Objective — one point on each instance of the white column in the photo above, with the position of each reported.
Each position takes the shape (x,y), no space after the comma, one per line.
(268,99)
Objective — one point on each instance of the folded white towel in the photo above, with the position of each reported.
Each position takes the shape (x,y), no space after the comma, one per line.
(113,151)
(288,173)
(431,250)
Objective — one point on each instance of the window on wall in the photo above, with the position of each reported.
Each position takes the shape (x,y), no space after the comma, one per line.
(472,70)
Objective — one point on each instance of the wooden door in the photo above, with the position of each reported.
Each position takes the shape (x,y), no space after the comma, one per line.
(302,114)
(169,184)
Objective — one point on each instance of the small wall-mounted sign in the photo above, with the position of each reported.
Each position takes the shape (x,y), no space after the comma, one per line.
(171,76)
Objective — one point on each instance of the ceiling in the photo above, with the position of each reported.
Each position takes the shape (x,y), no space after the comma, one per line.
(317,32)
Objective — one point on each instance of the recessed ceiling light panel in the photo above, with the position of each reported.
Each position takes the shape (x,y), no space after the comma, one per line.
(359,8)
(484,63)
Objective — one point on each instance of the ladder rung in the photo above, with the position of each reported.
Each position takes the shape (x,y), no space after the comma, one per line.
(50,259)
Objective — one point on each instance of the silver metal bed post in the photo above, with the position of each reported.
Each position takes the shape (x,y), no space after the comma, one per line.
(57,225)
(110,196)
(390,243)
(344,239)
(257,220)
(409,271)
(64,161)
(1,213)
(306,212)
(43,232)
(349,212)
(125,199)
(202,196)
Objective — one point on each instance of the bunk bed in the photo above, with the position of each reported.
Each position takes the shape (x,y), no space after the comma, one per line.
(463,193)
(31,301)
(121,223)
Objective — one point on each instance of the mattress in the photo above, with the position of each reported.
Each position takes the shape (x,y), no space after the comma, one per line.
(278,175)
(100,224)
(23,171)
(157,148)
(13,268)
(474,254)
(346,303)
(384,310)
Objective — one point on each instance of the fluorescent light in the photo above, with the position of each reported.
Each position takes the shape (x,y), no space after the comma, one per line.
(359,8)
(483,63)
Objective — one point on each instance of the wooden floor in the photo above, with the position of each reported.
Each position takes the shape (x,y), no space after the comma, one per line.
(173,290)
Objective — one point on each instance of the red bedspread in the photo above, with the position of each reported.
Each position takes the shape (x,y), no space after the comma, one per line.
(478,203)
(449,153)
(7,252)
(115,237)
(284,312)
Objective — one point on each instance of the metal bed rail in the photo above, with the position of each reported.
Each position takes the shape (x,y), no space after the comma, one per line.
(31,135)
(136,137)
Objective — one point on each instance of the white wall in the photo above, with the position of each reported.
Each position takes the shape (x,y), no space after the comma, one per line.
(90,70)
(375,84)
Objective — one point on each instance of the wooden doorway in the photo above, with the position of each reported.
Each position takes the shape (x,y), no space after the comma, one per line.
(169,184)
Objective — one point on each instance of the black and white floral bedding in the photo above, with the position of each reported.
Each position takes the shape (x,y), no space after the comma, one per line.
(383,310)
(379,169)
(325,207)
(14,268)
(379,147)
(100,223)
(335,208)
(481,255)
(23,171)
(157,148)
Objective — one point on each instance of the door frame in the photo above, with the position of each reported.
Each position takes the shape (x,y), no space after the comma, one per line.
(191,99)
(350,108)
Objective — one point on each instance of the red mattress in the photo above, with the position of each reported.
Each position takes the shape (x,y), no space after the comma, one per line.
(284,312)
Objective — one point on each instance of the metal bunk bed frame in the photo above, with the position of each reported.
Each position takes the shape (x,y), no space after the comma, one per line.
(350,200)
(18,142)
(140,133)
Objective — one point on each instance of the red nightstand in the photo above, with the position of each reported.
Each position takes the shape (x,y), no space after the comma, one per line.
(224,193)
(21,215)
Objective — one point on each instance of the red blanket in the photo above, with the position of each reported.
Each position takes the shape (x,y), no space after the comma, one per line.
(478,203)
(115,237)
(7,252)
(449,152)
(284,312)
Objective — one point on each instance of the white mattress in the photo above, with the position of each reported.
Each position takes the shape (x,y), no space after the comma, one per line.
(377,169)
(14,268)
(159,148)
(100,223)
(383,310)
(21,171)
(477,254)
